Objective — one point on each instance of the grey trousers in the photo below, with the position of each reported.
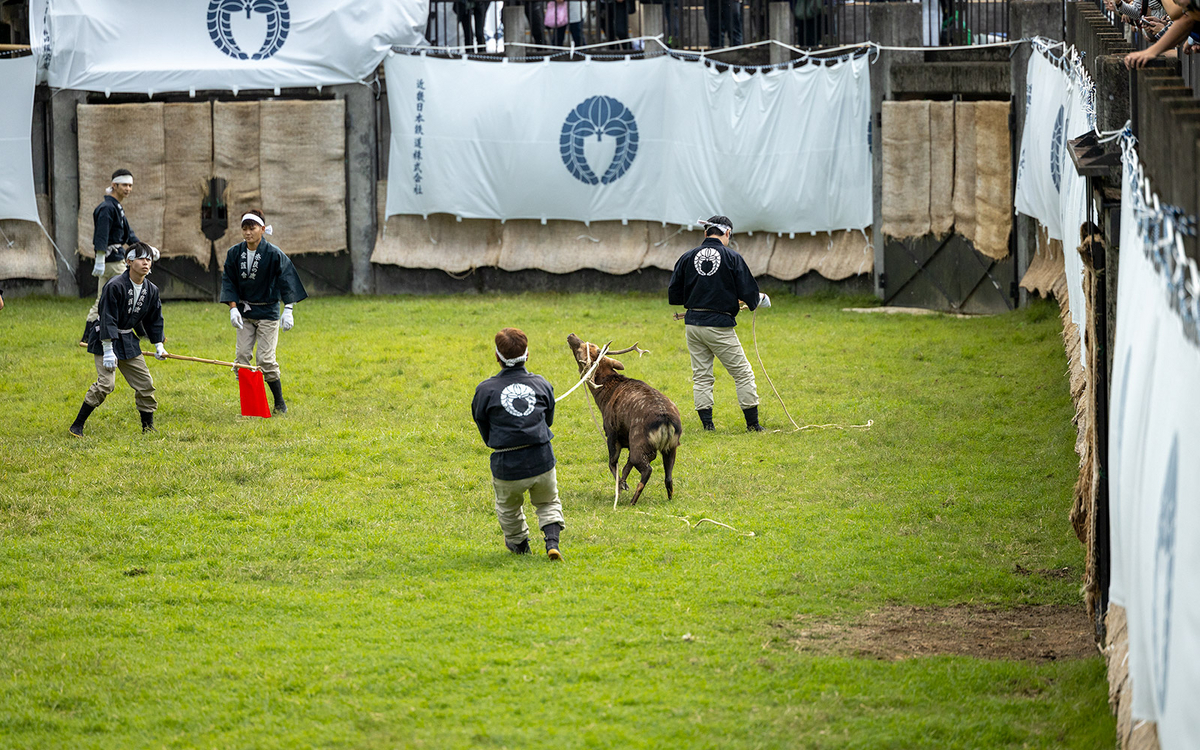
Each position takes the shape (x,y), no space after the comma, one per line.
(110,270)
(264,334)
(706,342)
(136,374)
(510,501)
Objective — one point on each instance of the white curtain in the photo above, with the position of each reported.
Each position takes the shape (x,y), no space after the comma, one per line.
(1154,444)
(148,46)
(660,139)
(17,197)
(1058,101)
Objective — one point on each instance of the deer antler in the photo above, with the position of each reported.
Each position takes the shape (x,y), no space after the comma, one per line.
(634,348)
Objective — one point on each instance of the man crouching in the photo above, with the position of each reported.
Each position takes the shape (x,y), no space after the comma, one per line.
(126,302)
(514,410)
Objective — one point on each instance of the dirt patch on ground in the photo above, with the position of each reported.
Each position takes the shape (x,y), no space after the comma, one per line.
(1035,633)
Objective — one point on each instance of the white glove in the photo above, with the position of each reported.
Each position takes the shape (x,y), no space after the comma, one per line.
(110,358)
(160,351)
(235,318)
(763,300)
(288,321)
(98,269)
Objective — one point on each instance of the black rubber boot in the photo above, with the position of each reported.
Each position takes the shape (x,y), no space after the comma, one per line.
(85,411)
(706,419)
(277,391)
(551,531)
(752,424)
(147,421)
(519,549)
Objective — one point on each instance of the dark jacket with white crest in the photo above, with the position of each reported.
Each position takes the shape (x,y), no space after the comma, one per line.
(121,313)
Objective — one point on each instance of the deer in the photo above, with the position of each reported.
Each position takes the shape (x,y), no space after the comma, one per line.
(636,416)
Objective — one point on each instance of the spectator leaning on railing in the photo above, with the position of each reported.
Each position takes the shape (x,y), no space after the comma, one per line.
(1148,15)
(1185,14)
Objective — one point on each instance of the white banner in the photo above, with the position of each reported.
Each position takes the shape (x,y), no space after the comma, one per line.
(1043,145)
(1154,441)
(658,140)
(17,197)
(148,46)
(1058,108)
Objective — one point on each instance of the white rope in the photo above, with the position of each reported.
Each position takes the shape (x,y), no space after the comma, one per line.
(866,426)
(587,374)
(754,334)
(805,55)
(55,246)
(692,526)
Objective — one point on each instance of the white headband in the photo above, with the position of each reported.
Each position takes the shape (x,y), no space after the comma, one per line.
(515,360)
(132,253)
(722,227)
(123,179)
(267,228)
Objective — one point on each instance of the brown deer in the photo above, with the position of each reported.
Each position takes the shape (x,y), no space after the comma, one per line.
(636,416)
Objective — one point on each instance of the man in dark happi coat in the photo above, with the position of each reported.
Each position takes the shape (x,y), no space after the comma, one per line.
(126,302)
(710,280)
(110,236)
(514,410)
(257,277)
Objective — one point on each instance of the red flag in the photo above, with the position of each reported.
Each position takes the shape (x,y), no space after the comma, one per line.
(254,393)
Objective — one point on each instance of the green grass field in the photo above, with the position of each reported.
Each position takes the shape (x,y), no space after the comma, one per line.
(336,578)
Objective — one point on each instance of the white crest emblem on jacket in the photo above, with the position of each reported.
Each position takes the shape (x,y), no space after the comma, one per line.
(518,399)
(709,257)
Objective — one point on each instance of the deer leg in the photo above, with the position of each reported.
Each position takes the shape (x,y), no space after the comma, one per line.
(668,467)
(645,469)
(614,455)
(625,473)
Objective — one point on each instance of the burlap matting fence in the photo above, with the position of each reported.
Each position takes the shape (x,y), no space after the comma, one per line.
(25,252)
(284,157)
(443,243)
(947,166)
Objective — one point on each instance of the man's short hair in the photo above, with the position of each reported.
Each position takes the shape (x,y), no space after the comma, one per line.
(712,231)
(511,343)
(121,172)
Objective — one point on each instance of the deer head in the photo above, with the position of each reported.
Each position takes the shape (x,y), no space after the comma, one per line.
(588,355)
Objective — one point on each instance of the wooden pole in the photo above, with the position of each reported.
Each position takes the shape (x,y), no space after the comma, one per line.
(234,365)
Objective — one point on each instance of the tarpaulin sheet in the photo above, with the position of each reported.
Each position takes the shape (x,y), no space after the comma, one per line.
(17,197)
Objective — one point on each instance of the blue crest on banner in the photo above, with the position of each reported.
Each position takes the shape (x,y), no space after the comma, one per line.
(599,116)
(1056,149)
(1164,574)
(219,28)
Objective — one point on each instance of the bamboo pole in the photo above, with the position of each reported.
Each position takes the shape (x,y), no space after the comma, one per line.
(234,365)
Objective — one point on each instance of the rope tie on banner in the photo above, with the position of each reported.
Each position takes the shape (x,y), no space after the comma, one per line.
(834,54)
(1162,228)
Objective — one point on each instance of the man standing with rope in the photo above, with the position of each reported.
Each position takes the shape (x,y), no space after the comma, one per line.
(513,410)
(710,280)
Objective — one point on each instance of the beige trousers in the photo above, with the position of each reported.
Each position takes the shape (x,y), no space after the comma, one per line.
(264,334)
(110,270)
(510,501)
(706,342)
(136,374)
